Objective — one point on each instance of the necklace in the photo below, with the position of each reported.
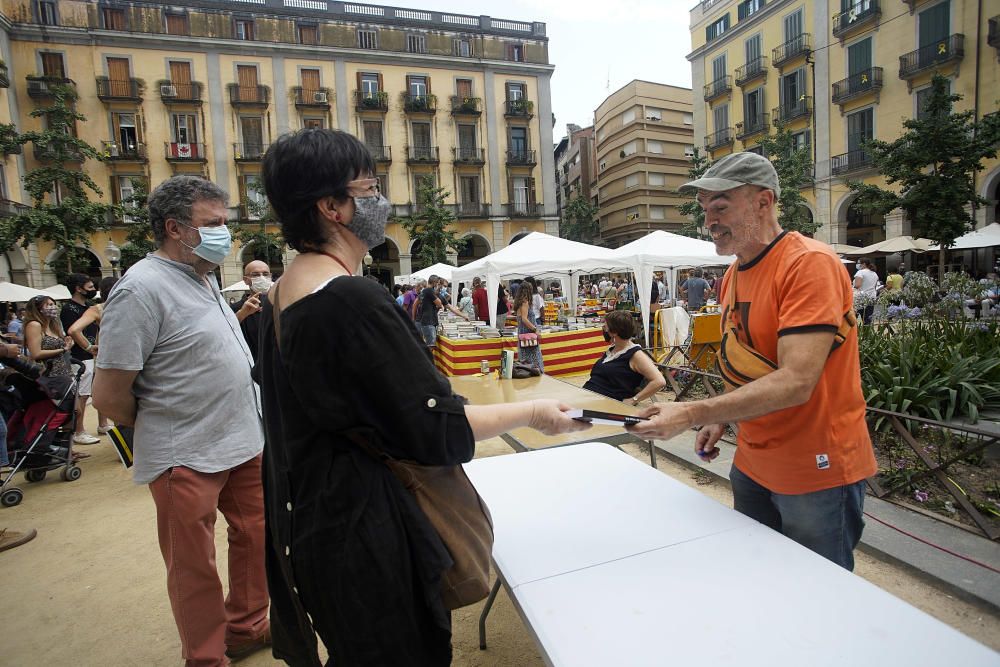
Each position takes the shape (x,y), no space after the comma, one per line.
(336,259)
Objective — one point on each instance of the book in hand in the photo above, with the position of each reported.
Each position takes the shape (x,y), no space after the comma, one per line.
(604,418)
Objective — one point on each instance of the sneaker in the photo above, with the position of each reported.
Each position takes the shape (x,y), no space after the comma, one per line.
(104,430)
(239,651)
(85,439)
(13,538)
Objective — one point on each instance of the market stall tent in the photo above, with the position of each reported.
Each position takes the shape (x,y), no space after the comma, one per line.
(440,270)
(14,293)
(986,237)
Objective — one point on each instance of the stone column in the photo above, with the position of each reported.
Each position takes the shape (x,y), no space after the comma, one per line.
(896,224)
(405,265)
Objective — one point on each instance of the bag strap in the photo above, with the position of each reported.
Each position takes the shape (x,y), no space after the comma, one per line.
(275,316)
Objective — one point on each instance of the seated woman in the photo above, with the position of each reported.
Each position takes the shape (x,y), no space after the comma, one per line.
(622,369)
(350,555)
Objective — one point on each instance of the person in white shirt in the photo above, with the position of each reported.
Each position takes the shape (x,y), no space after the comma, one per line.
(866,284)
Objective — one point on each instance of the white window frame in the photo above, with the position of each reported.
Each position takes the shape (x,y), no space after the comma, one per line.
(654,114)
(416,44)
(367,39)
(656,178)
(654,146)
(632,181)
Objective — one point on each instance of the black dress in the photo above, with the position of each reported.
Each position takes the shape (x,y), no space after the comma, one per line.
(349,553)
(615,378)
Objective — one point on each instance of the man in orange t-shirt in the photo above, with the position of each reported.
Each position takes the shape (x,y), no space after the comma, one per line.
(803,448)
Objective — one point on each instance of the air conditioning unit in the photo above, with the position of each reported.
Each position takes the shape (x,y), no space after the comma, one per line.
(168,91)
(319,97)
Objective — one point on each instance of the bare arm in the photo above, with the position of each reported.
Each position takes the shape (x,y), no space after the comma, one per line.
(642,364)
(545,415)
(437,302)
(857,282)
(249,307)
(33,340)
(113,395)
(522,315)
(89,316)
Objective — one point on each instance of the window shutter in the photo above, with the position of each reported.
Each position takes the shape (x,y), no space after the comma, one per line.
(359,82)
(380,88)
(531,191)
(427,82)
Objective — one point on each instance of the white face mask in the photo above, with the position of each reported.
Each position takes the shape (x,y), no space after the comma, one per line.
(260,283)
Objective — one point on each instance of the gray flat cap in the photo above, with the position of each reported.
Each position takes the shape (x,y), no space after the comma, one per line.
(735,170)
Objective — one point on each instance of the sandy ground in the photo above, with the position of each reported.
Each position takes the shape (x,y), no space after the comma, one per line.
(90,589)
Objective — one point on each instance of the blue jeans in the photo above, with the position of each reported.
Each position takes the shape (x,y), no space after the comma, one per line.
(828,522)
(429,332)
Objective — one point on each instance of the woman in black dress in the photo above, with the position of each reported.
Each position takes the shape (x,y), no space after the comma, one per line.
(620,373)
(350,556)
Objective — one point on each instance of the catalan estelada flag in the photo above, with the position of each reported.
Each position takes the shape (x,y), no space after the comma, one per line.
(121,437)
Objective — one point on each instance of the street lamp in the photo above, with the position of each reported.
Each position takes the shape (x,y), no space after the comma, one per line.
(114,255)
(368,262)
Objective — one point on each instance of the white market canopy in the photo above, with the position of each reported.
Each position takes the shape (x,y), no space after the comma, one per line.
(58,292)
(986,237)
(891,246)
(14,293)
(237,287)
(440,270)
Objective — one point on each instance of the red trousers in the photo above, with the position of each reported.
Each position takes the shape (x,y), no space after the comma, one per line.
(186,504)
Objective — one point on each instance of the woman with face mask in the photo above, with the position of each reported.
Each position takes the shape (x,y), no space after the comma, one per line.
(619,374)
(44,337)
(350,555)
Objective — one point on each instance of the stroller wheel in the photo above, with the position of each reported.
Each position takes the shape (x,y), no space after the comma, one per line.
(71,473)
(34,475)
(11,497)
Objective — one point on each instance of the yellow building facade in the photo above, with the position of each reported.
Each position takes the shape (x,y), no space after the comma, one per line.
(643,139)
(199,87)
(839,73)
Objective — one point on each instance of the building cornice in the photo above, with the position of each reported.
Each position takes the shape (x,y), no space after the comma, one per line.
(741,27)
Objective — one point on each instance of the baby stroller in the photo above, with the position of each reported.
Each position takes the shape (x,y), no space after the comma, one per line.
(40,426)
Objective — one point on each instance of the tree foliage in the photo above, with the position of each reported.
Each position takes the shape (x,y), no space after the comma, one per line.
(432,224)
(139,240)
(266,246)
(933,164)
(579,220)
(794,166)
(695,224)
(62,212)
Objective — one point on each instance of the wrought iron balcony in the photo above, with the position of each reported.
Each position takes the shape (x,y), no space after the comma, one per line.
(419,104)
(751,71)
(521,157)
(469,155)
(4,78)
(466,106)
(521,108)
(380,153)
(800,108)
(718,87)
(249,96)
(180,152)
(10,208)
(422,155)
(110,90)
(719,138)
(40,87)
(365,100)
(993,36)
(120,152)
(797,46)
(949,49)
(312,99)
(851,161)
(753,125)
(51,154)
(471,210)
(180,93)
(523,209)
(252,152)
(862,83)
(860,13)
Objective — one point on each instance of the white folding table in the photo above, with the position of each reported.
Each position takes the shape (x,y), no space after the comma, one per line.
(609,561)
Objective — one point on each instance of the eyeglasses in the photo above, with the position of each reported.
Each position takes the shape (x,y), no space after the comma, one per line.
(364,187)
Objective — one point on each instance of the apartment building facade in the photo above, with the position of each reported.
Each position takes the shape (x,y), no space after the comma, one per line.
(839,73)
(203,86)
(643,140)
(575,165)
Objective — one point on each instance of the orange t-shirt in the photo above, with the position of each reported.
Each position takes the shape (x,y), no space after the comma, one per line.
(798,285)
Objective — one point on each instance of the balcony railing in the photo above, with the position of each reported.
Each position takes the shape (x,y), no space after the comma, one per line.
(789,111)
(521,157)
(797,46)
(318,98)
(377,100)
(846,163)
(49,154)
(4,77)
(40,87)
(471,210)
(380,153)
(718,87)
(248,96)
(114,150)
(862,83)
(748,8)
(521,108)
(180,93)
(117,89)
(719,138)
(753,125)
(751,71)
(466,106)
(182,152)
(422,154)
(860,13)
(469,155)
(252,152)
(930,56)
(419,103)
(523,210)
(993,36)
(10,208)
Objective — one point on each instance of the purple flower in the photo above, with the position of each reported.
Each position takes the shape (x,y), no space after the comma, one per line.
(921,496)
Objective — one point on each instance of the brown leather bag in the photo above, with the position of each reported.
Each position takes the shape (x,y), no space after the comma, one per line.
(451,503)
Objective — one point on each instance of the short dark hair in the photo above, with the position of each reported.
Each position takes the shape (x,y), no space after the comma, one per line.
(697,273)
(75,281)
(107,284)
(620,323)
(174,197)
(303,167)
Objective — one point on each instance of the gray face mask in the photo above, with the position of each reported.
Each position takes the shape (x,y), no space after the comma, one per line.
(370,217)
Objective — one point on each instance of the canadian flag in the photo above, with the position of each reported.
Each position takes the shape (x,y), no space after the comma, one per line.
(183,150)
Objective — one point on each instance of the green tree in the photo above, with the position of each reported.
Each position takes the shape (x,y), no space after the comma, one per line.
(432,224)
(794,166)
(579,220)
(62,212)
(267,246)
(139,239)
(695,223)
(934,164)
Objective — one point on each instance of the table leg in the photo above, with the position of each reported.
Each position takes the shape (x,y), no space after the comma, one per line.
(486,611)
(652,454)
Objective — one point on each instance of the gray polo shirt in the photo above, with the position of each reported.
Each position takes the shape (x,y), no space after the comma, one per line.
(197,405)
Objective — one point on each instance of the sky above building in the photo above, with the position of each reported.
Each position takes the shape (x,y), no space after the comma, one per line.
(597,46)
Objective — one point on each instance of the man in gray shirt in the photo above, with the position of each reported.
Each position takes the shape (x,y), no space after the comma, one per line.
(695,288)
(174,363)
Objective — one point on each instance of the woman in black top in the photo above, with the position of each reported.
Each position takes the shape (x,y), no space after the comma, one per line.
(350,555)
(624,366)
